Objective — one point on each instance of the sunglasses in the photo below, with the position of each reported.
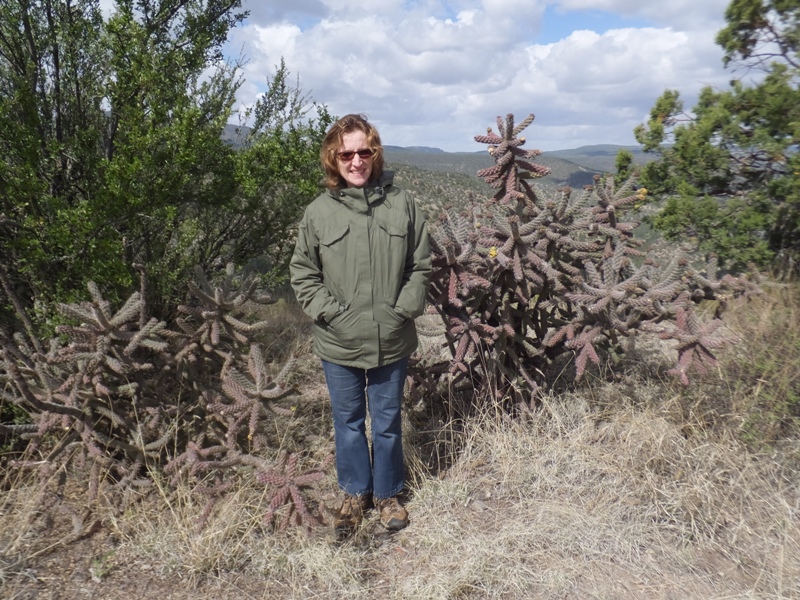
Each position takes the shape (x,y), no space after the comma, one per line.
(349,155)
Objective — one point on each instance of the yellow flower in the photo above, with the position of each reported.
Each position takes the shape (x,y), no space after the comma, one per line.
(492,252)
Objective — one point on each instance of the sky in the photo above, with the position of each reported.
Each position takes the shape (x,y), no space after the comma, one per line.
(436,73)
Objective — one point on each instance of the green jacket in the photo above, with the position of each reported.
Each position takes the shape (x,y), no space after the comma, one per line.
(360,270)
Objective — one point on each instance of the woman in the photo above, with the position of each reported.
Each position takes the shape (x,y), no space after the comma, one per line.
(360,270)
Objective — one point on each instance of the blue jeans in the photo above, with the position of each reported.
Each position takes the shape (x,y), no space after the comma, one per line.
(360,471)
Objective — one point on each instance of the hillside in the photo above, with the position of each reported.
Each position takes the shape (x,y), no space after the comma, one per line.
(600,157)
(623,484)
(564,171)
(573,167)
(627,487)
(440,178)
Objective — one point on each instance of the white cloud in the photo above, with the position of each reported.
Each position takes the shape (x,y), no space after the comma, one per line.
(275,41)
(592,88)
(436,73)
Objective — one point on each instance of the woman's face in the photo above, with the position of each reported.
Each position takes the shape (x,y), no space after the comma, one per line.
(356,171)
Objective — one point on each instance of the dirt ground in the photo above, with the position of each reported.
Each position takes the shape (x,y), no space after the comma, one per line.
(63,565)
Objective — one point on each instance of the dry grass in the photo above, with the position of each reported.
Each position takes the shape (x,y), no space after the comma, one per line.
(763,375)
(633,489)
(572,506)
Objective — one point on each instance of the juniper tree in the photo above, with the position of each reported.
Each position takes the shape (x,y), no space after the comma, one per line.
(728,170)
(111,131)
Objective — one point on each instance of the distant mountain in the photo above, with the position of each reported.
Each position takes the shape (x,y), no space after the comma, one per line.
(600,157)
(574,167)
(438,178)
(447,178)
(563,172)
(235,134)
(423,149)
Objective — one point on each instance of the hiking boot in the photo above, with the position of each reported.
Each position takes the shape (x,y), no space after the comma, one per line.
(350,513)
(393,516)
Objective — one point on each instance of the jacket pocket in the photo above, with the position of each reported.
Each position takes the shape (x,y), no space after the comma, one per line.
(330,239)
(386,313)
(340,338)
(395,233)
(333,254)
(393,251)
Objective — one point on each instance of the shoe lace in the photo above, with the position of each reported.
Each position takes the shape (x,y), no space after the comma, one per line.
(351,505)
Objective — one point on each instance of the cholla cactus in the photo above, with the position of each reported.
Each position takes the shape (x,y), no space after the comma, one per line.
(127,396)
(214,325)
(286,482)
(252,393)
(526,276)
(509,157)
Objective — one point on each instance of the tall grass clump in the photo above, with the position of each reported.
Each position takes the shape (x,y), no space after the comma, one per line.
(756,388)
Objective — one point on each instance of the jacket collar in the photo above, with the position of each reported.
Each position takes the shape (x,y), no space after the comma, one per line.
(358,199)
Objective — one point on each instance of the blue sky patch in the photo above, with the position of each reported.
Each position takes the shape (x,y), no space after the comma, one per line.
(558,24)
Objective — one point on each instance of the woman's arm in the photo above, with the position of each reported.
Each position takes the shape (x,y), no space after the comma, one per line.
(416,277)
(307,280)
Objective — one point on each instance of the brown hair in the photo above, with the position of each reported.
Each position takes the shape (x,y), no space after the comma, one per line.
(333,140)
